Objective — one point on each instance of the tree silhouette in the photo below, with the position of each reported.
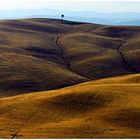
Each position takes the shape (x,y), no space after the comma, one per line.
(62,16)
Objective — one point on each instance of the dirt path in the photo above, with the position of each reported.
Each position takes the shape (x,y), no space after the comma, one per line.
(128,66)
(62,53)
(68,64)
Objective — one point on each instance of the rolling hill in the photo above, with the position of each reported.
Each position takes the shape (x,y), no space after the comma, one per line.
(65,79)
(45,54)
(107,108)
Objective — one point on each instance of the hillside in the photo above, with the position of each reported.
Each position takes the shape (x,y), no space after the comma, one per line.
(65,79)
(107,108)
(46,54)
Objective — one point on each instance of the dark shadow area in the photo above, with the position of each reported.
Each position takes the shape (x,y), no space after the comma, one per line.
(72,22)
(78,103)
(32,26)
(125,118)
(46,20)
(41,51)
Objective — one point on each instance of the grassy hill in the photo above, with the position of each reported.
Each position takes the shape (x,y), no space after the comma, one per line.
(45,54)
(107,108)
(30,59)
(87,77)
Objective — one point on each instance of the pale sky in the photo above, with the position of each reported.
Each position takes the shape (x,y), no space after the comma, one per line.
(77,5)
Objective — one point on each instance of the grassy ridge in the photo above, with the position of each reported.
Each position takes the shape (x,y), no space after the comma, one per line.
(32,61)
(95,109)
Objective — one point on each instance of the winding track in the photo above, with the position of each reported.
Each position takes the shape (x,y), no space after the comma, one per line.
(68,64)
(127,65)
(62,53)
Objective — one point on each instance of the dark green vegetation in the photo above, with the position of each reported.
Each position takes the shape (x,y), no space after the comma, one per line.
(43,54)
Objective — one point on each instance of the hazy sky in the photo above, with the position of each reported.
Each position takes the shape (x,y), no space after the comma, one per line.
(78,5)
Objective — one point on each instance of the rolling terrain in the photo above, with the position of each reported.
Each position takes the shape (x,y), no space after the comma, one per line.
(64,79)
(43,54)
(107,108)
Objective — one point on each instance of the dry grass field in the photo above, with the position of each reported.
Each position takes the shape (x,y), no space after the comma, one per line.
(107,108)
(69,80)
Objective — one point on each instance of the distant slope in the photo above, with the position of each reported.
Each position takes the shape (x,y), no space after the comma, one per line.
(107,108)
(44,54)
(111,18)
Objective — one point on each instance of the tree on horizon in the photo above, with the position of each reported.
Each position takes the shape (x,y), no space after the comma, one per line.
(62,16)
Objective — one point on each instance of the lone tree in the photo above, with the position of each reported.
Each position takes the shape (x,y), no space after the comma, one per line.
(62,16)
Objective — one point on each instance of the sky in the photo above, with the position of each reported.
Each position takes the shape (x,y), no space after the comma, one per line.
(76,5)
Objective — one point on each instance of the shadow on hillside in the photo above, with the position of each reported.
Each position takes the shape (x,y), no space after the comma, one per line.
(78,103)
(125,118)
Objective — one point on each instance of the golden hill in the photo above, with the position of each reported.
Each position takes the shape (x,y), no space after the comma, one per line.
(107,108)
(87,78)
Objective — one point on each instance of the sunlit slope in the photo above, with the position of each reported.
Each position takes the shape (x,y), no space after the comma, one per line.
(128,79)
(96,109)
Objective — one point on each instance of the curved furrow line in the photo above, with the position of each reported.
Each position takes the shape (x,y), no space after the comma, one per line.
(128,66)
(62,54)
(68,64)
